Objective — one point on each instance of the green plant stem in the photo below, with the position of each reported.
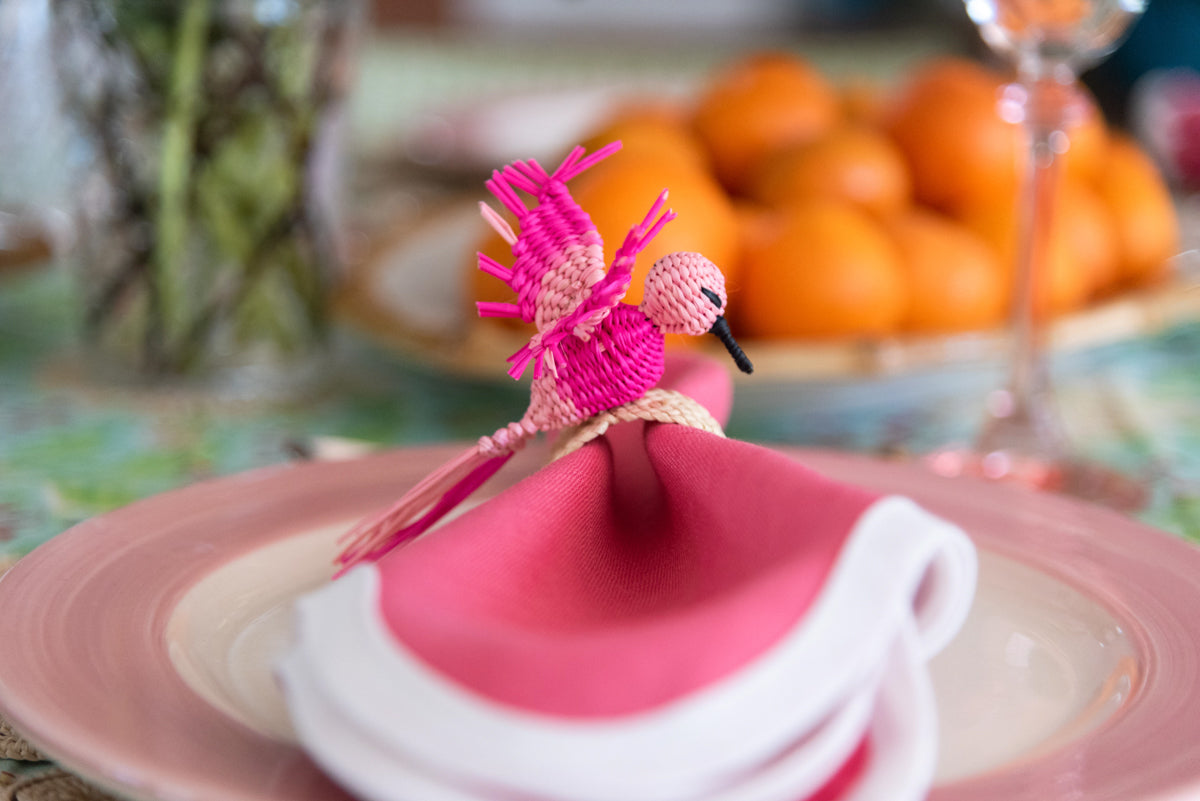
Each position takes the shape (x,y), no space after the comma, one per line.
(222,306)
(178,140)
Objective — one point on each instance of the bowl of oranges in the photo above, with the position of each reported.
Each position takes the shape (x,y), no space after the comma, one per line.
(865,230)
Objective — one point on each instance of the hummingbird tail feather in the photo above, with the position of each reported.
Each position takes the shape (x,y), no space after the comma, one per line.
(419,508)
(433,498)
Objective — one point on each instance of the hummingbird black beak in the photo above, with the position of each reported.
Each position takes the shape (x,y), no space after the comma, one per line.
(721,330)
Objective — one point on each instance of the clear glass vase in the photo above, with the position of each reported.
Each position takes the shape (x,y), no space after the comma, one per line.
(207,210)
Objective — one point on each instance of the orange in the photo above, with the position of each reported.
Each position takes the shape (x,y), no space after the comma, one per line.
(956,282)
(827,269)
(1088,139)
(755,222)
(864,101)
(1029,17)
(758,105)
(1081,258)
(654,109)
(1084,222)
(619,191)
(945,120)
(854,163)
(657,128)
(1147,229)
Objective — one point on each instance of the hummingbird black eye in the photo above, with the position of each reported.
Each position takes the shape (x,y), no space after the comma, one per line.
(713,296)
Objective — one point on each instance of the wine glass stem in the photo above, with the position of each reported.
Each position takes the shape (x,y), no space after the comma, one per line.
(1022,418)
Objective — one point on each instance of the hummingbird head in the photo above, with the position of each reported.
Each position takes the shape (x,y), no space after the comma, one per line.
(685,294)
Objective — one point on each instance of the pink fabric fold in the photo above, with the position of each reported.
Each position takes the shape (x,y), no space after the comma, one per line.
(643,567)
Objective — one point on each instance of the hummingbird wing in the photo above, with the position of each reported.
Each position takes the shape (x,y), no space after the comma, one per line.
(603,297)
(611,289)
(558,253)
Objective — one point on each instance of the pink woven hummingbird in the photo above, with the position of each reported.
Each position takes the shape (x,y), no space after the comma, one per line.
(591,353)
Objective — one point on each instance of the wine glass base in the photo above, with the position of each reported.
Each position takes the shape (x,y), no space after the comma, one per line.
(1078,478)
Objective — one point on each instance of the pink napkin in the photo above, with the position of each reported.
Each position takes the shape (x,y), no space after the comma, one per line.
(623,577)
(662,615)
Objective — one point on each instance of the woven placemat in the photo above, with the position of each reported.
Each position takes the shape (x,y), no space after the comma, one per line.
(52,784)
(13,746)
(42,784)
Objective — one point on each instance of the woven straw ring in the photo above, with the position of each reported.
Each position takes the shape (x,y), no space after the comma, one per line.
(657,405)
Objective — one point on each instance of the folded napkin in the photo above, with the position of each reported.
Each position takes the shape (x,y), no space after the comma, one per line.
(661,615)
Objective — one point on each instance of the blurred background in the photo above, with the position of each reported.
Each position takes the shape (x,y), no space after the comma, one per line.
(238,232)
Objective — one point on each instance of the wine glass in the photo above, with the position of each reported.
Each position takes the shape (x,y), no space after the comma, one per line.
(1048,41)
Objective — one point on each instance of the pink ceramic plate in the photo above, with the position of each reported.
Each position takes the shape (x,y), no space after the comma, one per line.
(137,645)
